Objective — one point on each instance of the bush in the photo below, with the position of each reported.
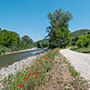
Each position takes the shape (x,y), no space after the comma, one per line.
(4,49)
(82,42)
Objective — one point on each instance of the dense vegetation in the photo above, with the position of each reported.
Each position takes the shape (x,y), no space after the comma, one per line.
(43,43)
(33,76)
(75,35)
(11,41)
(58,32)
(79,33)
(82,43)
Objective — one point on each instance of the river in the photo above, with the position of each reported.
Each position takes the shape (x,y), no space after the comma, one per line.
(6,60)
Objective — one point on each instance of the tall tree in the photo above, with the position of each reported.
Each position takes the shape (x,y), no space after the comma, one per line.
(26,42)
(9,38)
(58,30)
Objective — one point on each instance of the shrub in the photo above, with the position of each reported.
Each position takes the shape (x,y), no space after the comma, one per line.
(3,49)
(82,42)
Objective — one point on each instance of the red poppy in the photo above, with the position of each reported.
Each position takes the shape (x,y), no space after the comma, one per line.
(36,76)
(19,86)
(5,80)
(37,66)
(39,63)
(38,69)
(30,73)
(35,73)
(27,79)
(47,58)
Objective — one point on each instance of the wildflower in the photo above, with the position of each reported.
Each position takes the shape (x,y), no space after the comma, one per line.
(30,73)
(19,86)
(36,76)
(39,63)
(47,58)
(27,79)
(35,73)
(5,80)
(33,76)
(12,80)
(38,69)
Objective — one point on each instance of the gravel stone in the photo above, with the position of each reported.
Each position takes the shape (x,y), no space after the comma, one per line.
(80,61)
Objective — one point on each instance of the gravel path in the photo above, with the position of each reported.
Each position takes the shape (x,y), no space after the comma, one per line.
(80,61)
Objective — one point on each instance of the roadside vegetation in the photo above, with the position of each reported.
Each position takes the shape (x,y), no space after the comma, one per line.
(82,50)
(33,76)
(83,44)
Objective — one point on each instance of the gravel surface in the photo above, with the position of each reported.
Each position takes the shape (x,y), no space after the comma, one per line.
(18,66)
(80,61)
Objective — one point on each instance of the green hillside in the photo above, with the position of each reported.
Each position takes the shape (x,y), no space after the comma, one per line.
(79,33)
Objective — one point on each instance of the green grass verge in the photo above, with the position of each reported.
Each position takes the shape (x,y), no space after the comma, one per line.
(82,50)
(33,76)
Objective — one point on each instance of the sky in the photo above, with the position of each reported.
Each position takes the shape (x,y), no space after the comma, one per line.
(30,17)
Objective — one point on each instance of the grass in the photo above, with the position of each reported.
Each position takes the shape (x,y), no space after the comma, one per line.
(82,50)
(33,76)
(78,82)
(73,71)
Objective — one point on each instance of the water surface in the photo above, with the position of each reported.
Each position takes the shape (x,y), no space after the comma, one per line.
(6,60)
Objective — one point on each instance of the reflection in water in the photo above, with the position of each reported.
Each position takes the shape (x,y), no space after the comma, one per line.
(10,59)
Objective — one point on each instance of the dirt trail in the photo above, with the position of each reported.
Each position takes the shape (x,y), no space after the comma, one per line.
(80,61)
(60,77)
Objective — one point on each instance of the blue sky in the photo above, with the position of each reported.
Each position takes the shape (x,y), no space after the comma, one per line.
(29,17)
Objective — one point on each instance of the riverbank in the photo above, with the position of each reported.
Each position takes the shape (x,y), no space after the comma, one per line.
(18,51)
(18,66)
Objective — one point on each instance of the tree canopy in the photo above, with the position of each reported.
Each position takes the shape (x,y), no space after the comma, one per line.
(58,31)
(11,41)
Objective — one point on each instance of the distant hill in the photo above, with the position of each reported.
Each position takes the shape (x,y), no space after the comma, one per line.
(79,33)
(44,40)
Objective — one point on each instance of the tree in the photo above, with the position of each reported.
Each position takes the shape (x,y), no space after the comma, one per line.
(26,42)
(39,44)
(58,30)
(83,41)
(9,38)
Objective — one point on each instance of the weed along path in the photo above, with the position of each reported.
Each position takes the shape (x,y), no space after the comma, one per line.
(80,61)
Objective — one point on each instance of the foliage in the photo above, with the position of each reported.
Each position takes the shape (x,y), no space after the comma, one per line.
(43,43)
(58,30)
(77,33)
(10,41)
(26,42)
(8,38)
(83,41)
(82,50)
(4,49)
(33,76)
